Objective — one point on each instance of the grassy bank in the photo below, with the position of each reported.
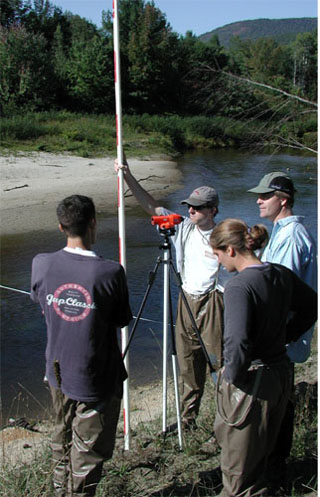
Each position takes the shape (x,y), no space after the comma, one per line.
(95,135)
(155,467)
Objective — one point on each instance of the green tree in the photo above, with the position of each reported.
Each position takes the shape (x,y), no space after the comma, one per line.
(79,28)
(26,74)
(203,85)
(78,32)
(152,68)
(149,57)
(12,12)
(59,57)
(88,72)
(304,64)
(37,16)
(239,52)
(267,60)
(129,15)
(42,17)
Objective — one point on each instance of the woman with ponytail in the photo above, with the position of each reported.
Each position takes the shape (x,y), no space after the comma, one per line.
(266,305)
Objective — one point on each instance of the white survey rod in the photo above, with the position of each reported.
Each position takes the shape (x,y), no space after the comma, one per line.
(121,216)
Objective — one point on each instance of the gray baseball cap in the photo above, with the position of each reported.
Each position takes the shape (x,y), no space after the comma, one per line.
(202,195)
(275,182)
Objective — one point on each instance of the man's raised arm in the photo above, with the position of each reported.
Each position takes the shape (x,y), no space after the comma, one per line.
(146,201)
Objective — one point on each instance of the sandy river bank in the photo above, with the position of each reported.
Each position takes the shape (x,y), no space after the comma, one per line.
(33,184)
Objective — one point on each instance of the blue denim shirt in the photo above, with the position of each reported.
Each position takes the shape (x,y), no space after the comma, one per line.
(292,246)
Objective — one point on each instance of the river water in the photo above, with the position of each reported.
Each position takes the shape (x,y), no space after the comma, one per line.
(23,334)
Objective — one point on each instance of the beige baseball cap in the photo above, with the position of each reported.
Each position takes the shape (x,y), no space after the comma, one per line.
(275,182)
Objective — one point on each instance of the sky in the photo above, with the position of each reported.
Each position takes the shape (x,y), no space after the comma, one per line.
(201,16)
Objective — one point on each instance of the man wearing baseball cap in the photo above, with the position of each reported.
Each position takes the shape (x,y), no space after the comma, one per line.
(291,245)
(198,267)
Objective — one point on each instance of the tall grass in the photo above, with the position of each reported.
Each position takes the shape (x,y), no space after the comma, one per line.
(156,467)
(27,479)
(95,135)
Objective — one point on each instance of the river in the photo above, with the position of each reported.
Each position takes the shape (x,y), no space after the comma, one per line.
(23,334)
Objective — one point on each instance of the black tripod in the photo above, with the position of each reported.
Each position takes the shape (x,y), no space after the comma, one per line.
(168,315)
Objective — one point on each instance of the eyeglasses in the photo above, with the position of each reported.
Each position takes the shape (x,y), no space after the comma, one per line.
(198,207)
(266,196)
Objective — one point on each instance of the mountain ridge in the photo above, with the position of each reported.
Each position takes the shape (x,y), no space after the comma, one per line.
(281,30)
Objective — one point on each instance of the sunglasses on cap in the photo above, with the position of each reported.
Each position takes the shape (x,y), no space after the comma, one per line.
(198,207)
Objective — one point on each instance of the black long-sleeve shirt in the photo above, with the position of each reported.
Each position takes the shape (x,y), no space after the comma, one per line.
(266,306)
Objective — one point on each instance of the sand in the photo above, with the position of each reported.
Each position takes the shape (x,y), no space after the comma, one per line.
(33,184)
(19,446)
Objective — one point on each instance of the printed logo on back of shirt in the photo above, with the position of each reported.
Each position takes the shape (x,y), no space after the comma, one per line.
(72,302)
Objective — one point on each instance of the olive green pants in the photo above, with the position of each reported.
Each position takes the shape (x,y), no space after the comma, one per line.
(84,437)
(207,311)
(246,427)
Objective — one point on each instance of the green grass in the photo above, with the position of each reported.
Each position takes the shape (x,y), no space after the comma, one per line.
(95,135)
(33,479)
(154,465)
(90,135)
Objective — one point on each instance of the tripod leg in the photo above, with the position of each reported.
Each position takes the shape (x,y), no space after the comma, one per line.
(152,276)
(175,374)
(165,337)
(177,397)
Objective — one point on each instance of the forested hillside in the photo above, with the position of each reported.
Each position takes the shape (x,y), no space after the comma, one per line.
(280,30)
(53,60)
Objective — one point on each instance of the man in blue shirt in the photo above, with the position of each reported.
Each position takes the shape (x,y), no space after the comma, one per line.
(292,246)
